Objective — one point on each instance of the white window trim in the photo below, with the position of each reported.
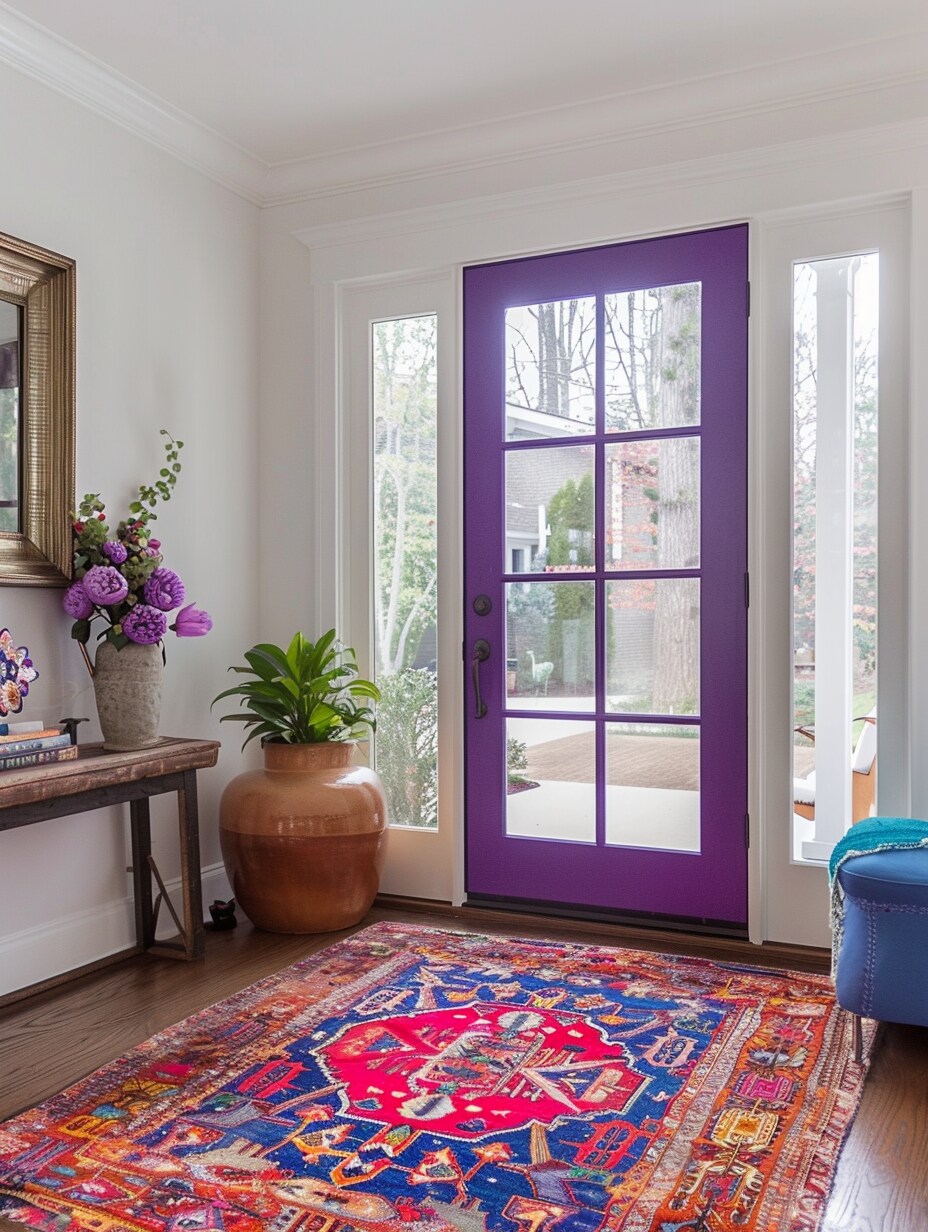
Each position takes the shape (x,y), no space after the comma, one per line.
(420,863)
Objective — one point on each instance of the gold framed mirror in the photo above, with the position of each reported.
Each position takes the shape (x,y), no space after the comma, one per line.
(37,410)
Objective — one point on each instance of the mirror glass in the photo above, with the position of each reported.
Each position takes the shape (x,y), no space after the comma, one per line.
(10,403)
(37,345)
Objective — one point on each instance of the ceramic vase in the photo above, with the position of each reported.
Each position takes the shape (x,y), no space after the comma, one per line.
(303,840)
(127,686)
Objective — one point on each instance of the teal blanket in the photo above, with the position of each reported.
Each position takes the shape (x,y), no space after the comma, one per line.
(874,834)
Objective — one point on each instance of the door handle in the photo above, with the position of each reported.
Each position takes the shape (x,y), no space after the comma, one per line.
(481,654)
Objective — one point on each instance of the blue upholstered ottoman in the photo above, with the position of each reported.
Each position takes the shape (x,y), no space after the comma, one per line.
(881,965)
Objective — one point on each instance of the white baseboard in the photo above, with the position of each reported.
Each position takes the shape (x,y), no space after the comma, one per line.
(70,941)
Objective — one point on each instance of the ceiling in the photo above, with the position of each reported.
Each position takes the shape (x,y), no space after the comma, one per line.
(288,80)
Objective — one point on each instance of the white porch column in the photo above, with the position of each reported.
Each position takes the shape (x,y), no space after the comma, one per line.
(834,535)
(542,528)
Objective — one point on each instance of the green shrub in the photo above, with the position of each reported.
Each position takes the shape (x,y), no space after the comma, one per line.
(516,760)
(406,753)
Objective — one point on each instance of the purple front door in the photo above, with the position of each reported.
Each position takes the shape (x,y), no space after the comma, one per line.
(605,479)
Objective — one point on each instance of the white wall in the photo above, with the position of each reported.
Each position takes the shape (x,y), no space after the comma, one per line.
(824,156)
(168,319)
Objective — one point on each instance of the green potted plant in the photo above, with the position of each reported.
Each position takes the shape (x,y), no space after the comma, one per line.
(303,839)
(302,695)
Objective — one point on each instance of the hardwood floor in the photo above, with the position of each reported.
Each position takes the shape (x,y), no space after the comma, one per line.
(54,1038)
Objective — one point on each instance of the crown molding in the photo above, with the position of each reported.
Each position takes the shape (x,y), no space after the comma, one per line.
(858,71)
(41,55)
(665,178)
(872,70)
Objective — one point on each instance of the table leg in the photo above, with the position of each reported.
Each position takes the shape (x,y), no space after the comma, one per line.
(192,943)
(140,824)
(191,884)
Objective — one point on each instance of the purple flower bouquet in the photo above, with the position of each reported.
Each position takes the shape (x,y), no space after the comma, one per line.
(121,579)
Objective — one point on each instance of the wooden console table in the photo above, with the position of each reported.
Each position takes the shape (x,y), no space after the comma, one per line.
(97,778)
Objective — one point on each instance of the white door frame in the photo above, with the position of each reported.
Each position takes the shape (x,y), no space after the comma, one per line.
(433,243)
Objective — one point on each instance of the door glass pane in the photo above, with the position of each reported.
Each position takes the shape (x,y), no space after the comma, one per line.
(551,780)
(652,653)
(550,361)
(549,509)
(652,504)
(550,659)
(652,361)
(405,502)
(835,461)
(652,786)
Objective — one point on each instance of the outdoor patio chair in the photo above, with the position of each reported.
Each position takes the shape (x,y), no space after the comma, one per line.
(863,774)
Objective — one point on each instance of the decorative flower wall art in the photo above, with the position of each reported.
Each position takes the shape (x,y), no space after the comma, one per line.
(16,674)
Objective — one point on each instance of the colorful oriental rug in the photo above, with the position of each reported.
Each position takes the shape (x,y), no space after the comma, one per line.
(425,1080)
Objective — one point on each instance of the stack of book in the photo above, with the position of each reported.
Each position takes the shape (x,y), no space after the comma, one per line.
(34,748)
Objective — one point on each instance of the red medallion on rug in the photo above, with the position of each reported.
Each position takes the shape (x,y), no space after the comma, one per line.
(429,1080)
(469,1071)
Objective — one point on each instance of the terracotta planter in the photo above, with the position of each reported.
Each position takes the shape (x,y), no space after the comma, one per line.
(127,688)
(303,840)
